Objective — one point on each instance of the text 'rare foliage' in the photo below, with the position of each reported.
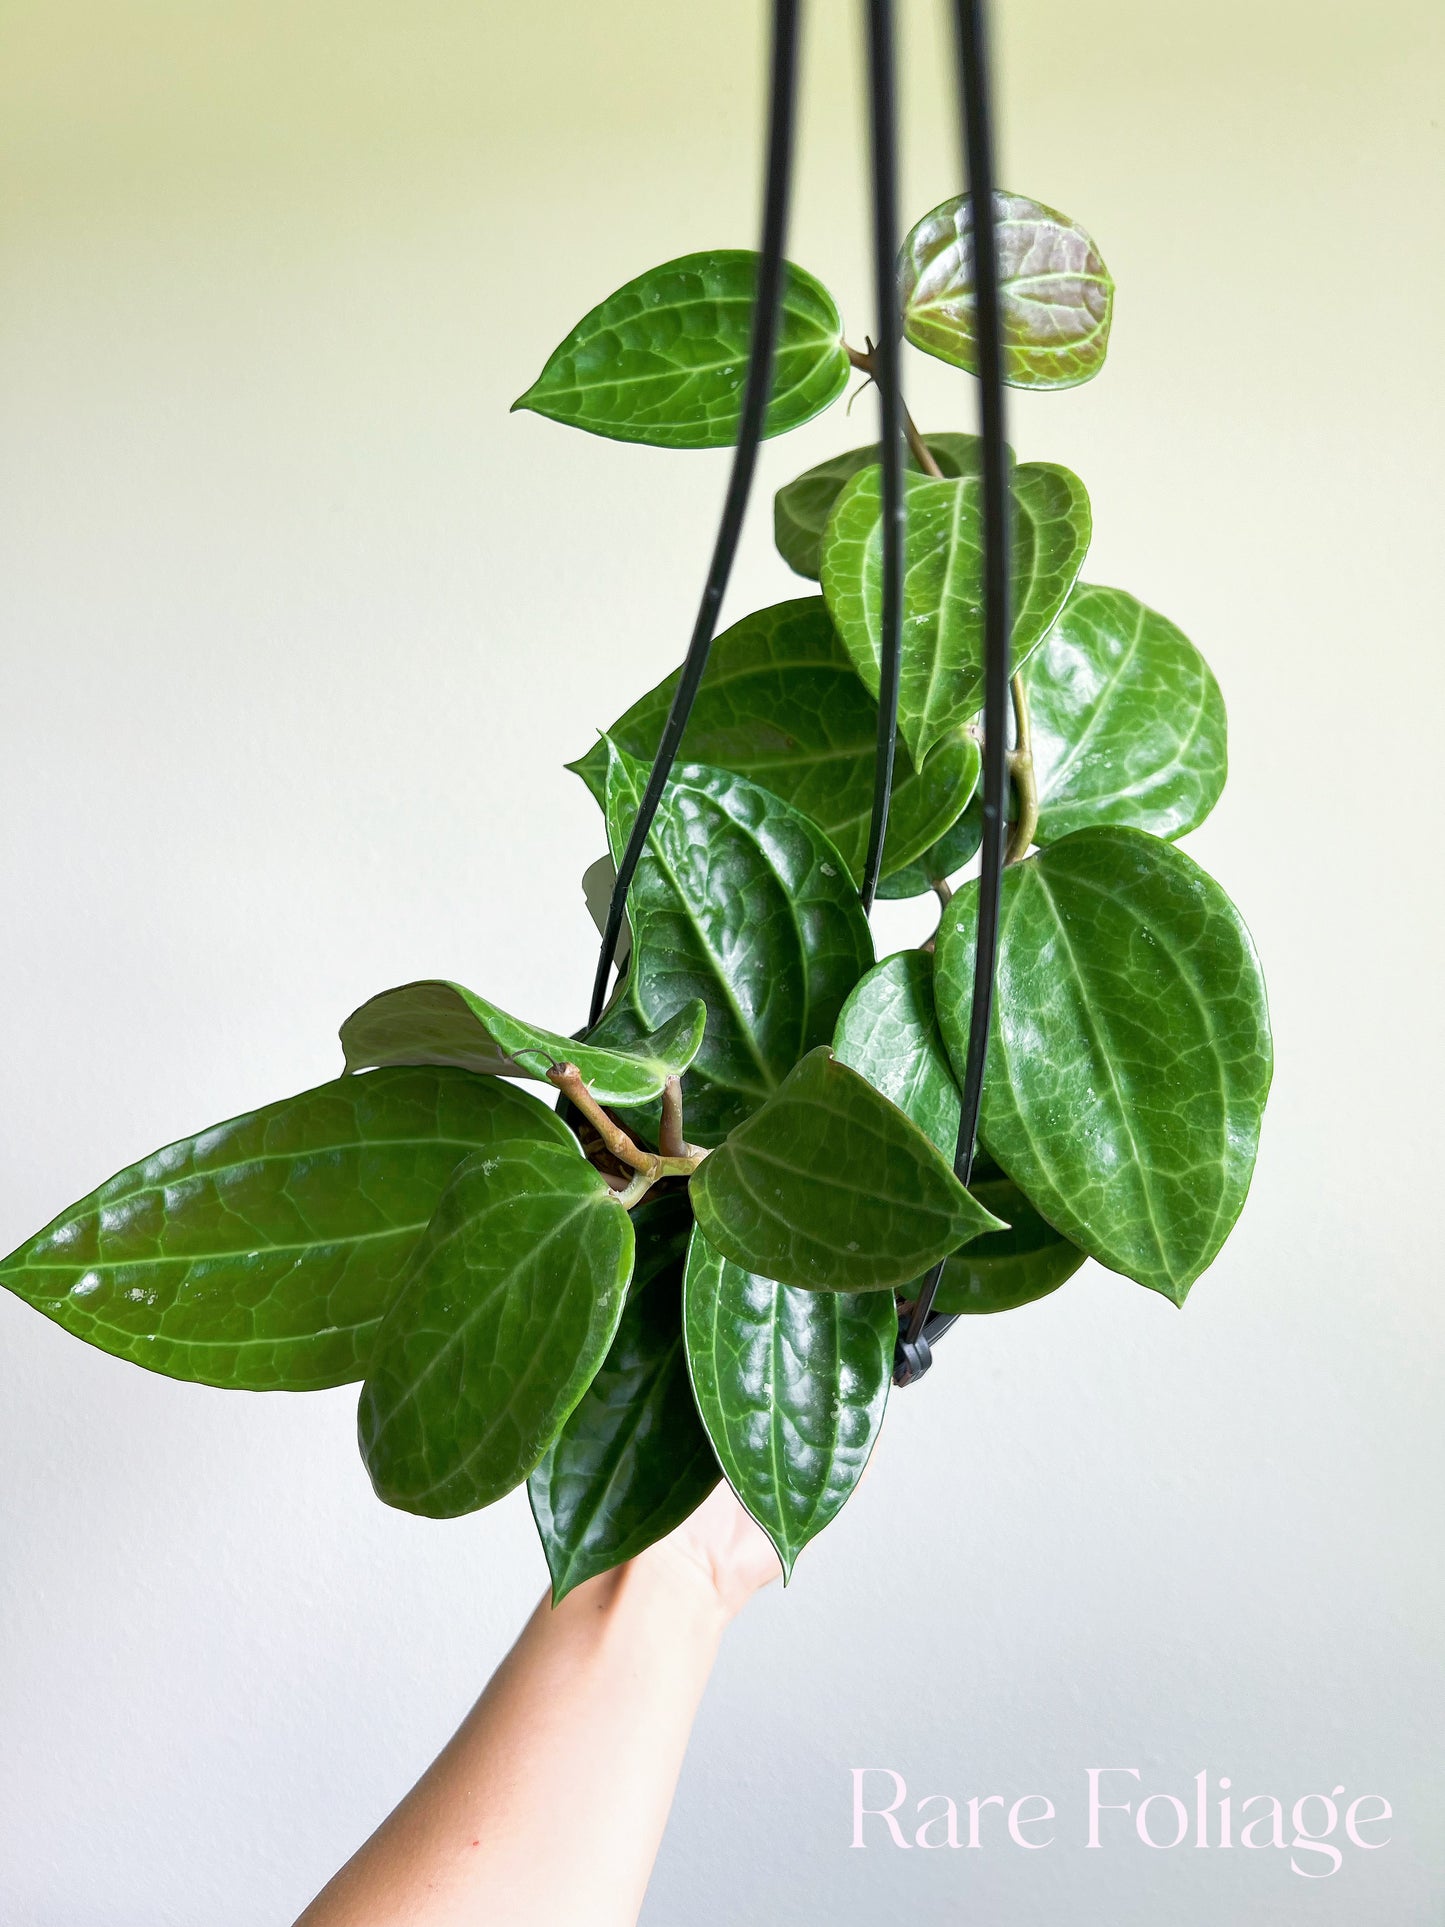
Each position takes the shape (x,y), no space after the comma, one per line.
(690,1264)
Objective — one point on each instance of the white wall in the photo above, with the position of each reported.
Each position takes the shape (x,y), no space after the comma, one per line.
(299,627)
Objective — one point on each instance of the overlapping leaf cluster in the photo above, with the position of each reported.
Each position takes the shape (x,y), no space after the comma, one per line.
(618,1315)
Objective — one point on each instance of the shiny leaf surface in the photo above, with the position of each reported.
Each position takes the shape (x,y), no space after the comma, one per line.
(791,1386)
(781,704)
(1128,722)
(739,900)
(956,847)
(443,1023)
(801,510)
(665,358)
(1129,1058)
(261,1254)
(1006,1269)
(829,1186)
(633,1460)
(942,679)
(888,1032)
(507,1310)
(1056,296)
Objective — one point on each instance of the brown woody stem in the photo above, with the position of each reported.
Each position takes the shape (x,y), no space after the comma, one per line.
(676,1158)
(921,452)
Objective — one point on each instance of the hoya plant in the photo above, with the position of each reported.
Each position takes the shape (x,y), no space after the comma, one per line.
(621,1263)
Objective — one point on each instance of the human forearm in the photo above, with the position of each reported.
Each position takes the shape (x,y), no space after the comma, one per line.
(587,1718)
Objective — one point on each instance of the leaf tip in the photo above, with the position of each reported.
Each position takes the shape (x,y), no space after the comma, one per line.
(561,1586)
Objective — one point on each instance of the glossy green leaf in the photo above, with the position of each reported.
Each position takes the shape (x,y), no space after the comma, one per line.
(791,1386)
(957,846)
(888,1032)
(781,704)
(665,358)
(505,1314)
(1128,722)
(743,902)
(1056,296)
(261,1254)
(831,1187)
(633,1460)
(1129,1058)
(801,510)
(441,1023)
(1005,1269)
(942,672)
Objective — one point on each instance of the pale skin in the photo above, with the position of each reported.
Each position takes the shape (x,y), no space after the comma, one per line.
(587,1716)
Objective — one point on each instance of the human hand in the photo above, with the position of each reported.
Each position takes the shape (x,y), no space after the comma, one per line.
(724,1547)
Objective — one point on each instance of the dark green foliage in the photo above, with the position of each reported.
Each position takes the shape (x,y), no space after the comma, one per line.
(507,1310)
(764,1117)
(781,704)
(942,680)
(791,1386)
(633,1460)
(744,903)
(262,1252)
(1130,1055)
(832,1187)
(663,359)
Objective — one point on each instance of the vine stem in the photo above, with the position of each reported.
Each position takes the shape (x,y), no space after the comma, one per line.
(917,447)
(676,1159)
(1021,768)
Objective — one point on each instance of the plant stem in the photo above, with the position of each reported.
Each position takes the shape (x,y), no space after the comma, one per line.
(650,1166)
(919,449)
(1021,769)
(670,1141)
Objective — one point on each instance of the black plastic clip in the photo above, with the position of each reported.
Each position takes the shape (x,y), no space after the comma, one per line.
(911,1359)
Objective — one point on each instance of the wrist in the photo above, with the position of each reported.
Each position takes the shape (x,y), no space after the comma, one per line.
(686,1578)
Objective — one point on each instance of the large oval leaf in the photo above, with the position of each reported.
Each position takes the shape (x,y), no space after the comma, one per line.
(507,1310)
(633,1460)
(942,670)
(434,1022)
(781,704)
(801,510)
(261,1254)
(829,1186)
(664,359)
(1128,722)
(743,902)
(791,1386)
(1129,1058)
(1056,296)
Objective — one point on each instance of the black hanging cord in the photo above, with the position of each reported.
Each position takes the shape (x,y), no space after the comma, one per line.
(758,388)
(886,354)
(914,1353)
